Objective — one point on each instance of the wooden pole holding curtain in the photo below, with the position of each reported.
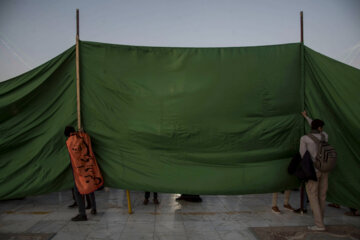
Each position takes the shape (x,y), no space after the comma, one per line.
(78,72)
(302,188)
(301,27)
(80,128)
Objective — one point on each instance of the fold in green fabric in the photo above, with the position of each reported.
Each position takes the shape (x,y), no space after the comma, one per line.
(179,120)
(34,108)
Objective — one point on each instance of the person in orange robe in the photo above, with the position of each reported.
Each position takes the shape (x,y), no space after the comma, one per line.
(87,175)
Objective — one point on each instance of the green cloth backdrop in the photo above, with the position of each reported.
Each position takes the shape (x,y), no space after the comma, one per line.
(180,120)
(332,93)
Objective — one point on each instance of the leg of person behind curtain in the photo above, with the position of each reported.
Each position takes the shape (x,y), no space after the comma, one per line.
(88,201)
(286,200)
(312,189)
(93,202)
(156,200)
(147,196)
(287,197)
(353,212)
(305,199)
(274,207)
(74,203)
(80,201)
(73,193)
(274,199)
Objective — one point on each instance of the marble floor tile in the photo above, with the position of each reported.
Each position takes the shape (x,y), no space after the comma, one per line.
(196,217)
(227,225)
(168,217)
(47,226)
(142,217)
(70,236)
(114,215)
(210,235)
(15,226)
(61,215)
(236,235)
(139,227)
(137,236)
(168,208)
(24,215)
(109,232)
(217,217)
(169,236)
(202,226)
(169,227)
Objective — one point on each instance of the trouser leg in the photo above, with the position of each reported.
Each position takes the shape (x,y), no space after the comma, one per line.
(155,195)
(92,200)
(323,186)
(73,194)
(305,198)
(80,201)
(302,197)
(147,195)
(88,201)
(312,189)
(274,199)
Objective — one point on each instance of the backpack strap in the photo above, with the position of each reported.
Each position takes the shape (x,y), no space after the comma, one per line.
(317,141)
(322,137)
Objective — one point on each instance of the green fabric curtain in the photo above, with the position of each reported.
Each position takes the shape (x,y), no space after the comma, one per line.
(179,120)
(332,94)
(193,120)
(34,108)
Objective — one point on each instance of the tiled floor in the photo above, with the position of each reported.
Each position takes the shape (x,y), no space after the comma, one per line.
(216,218)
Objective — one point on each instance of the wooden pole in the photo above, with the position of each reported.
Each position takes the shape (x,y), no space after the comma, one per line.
(302,188)
(301,27)
(78,92)
(78,72)
(129,203)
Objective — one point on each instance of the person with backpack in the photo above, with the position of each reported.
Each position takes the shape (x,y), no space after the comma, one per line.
(323,157)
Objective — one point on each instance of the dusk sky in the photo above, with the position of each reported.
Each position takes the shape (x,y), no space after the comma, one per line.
(33,32)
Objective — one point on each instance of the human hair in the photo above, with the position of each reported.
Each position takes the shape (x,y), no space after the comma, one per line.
(316,123)
(68,130)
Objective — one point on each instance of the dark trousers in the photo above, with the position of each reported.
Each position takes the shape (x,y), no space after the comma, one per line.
(81,203)
(147,195)
(305,198)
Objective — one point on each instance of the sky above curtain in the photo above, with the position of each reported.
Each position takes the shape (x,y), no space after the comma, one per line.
(33,32)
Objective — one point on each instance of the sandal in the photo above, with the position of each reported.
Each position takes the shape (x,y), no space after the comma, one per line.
(334,205)
(288,207)
(276,210)
(353,214)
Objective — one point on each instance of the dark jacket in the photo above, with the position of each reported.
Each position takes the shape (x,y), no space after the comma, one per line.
(302,168)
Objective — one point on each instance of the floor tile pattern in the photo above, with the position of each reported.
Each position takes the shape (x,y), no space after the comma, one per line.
(216,218)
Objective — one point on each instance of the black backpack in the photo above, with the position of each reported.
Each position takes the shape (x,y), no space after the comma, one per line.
(326,157)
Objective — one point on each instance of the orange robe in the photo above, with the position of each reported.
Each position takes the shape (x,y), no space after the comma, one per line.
(87,174)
